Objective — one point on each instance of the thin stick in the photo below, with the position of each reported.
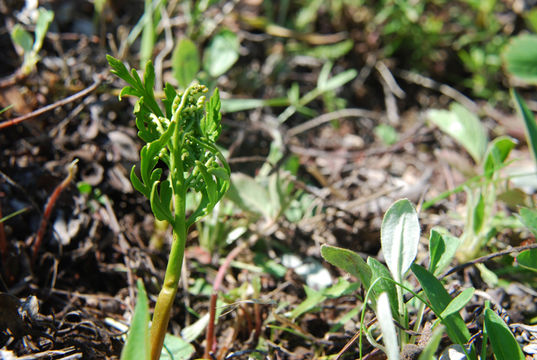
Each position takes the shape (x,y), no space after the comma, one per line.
(50,205)
(324,118)
(442,88)
(210,341)
(353,340)
(479,260)
(482,259)
(52,106)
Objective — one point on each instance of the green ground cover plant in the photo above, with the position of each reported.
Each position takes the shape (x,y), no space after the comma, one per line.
(386,288)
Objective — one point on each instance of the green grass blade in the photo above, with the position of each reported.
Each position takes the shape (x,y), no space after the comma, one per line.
(458,303)
(439,300)
(137,345)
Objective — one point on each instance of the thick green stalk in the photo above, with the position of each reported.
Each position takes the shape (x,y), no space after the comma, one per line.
(166,297)
(161,315)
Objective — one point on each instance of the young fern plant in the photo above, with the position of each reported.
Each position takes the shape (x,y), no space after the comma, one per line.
(182,137)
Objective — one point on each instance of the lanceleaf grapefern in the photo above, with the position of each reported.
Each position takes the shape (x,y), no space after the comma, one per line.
(182,138)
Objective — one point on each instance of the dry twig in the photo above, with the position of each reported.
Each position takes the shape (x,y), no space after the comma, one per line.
(53,106)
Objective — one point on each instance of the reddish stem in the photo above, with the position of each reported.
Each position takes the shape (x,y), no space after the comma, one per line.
(50,206)
(3,242)
(210,344)
(50,107)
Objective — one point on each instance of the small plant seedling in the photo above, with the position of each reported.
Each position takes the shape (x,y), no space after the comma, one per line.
(29,47)
(182,138)
(483,190)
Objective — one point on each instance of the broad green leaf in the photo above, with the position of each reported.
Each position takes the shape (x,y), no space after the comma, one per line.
(185,62)
(22,38)
(439,299)
(528,259)
(529,122)
(222,53)
(479,214)
(520,57)
(179,349)
(529,219)
(399,237)
(380,271)
(463,126)
(442,248)
(137,345)
(348,261)
(504,344)
(389,335)
(497,152)
(458,303)
(249,195)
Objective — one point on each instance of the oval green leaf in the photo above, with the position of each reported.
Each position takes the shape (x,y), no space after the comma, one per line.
(529,219)
(399,237)
(463,126)
(520,57)
(504,344)
(185,62)
(458,303)
(497,152)
(348,261)
(442,248)
(222,53)
(528,259)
